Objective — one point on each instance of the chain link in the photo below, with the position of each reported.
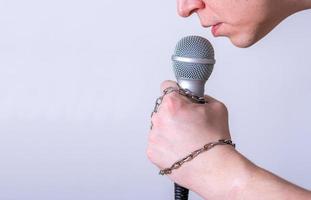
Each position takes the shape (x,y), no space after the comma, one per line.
(184,92)
(160,100)
(194,154)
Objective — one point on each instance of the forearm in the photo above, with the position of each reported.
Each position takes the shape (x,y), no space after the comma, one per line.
(241,180)
(265,185)
(220,174)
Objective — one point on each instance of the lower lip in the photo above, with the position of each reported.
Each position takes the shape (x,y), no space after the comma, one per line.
(215,29)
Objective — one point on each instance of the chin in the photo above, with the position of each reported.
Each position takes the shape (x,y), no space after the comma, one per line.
(243,40)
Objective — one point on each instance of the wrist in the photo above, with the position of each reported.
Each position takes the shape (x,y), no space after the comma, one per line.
(219,173)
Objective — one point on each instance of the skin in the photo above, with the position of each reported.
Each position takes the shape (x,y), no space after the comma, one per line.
(244,22)
(180,126)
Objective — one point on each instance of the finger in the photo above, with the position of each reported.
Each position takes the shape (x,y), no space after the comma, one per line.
(174,95)
(171,84)
(172,99)
(168,83)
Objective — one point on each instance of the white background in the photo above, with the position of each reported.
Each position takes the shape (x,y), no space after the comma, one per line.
(78,80)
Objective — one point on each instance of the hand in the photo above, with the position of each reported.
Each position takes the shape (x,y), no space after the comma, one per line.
(180,127)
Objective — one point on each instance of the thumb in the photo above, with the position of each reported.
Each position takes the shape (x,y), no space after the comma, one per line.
(168,83)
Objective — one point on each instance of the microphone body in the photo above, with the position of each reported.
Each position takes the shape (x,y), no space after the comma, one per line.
(195,86)
(193,63)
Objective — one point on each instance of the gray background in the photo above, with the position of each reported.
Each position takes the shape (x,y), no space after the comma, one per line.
(78,80)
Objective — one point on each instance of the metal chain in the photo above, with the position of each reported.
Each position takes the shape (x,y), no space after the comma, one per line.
(194,154)
(184,92)
(160,99)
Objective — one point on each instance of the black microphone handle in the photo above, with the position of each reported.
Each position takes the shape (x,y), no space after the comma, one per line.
(181,193)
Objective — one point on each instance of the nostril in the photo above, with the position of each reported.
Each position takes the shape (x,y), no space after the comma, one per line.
(186,12)
(193,11)
(183,13)
(187,8)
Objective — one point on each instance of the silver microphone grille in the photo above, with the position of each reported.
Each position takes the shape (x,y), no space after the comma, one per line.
(193,58)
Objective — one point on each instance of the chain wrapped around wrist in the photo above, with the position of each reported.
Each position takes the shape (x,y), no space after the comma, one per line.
(194,154)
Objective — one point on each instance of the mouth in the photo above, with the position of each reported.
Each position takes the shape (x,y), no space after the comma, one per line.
(215,29)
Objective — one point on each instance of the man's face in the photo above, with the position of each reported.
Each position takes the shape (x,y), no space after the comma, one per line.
(244,22)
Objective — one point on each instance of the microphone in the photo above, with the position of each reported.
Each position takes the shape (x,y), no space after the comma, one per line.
(193,63)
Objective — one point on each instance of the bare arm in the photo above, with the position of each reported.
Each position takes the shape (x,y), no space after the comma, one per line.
(265,185)
(180,127)
(243,180)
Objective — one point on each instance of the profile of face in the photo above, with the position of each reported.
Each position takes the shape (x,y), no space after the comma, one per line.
(244,22)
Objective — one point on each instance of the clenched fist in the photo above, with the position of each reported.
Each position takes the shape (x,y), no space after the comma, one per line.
(180,127)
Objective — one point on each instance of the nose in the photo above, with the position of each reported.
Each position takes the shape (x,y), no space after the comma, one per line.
(186,7)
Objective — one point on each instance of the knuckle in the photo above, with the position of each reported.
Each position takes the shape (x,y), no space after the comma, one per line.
(156,121)
(172,103)
(173,96)
(163,85)
(149,153)
(152,138)
(221,107)
(166,84)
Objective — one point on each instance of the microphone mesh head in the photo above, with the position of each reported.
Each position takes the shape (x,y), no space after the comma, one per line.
(193,47)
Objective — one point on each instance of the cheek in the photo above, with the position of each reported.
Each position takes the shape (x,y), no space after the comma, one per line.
(238,12)
(237,19)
